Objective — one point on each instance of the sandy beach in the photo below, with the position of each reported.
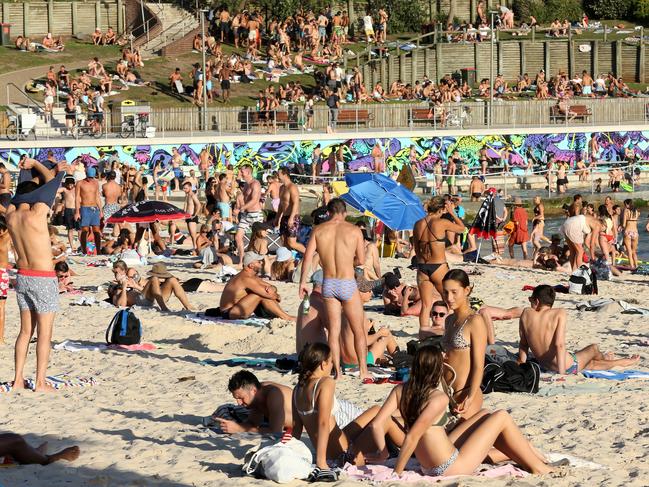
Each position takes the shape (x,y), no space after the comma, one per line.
(140,425)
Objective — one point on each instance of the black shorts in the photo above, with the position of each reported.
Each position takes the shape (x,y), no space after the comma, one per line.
(68,219)
(191,220)
(225,84)
(615,185)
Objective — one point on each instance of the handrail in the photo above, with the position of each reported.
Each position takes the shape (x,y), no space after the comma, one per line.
(31,100)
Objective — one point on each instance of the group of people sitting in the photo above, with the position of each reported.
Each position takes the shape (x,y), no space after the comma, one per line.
(48,44)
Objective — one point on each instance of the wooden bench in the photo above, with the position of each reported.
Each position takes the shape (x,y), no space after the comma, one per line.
(355,116)
(582,112)
(419,115)
(249,119)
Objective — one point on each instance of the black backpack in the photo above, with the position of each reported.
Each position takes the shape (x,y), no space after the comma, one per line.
(124,329)
(583,281)
(511,377)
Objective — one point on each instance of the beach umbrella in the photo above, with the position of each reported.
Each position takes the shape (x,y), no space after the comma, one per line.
(148,212)
(392,203)
(484,226)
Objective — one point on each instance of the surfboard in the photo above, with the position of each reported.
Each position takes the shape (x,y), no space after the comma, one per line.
(626,186)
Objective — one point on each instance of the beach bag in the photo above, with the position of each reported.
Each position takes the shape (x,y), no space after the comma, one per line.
(583,281)
(124,329)
(281,462)
(511,377)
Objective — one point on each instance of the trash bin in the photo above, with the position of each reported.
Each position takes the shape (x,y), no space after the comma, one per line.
(469,76)
(5,34)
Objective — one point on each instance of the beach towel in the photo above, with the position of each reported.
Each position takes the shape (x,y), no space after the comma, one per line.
(283,364)
(615,374)
(201,319)
(60,381)
(70,346)
(385,473)
(377,372)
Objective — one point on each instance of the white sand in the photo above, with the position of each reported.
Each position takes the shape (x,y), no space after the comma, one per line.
(140,426)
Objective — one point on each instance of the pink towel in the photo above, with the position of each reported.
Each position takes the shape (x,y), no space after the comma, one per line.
(134,348)
(382,473)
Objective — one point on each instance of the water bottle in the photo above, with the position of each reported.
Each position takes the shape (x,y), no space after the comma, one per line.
(306,305)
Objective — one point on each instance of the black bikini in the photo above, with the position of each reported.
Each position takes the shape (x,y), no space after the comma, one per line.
(427,268)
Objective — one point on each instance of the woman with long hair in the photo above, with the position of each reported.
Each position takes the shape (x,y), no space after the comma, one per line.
(464,343)
(429,242)
(332,423)
(538,226)
(423,405)
(630,225)
(607,234)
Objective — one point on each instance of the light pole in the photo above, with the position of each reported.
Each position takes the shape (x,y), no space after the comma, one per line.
(491,68)
(204,70)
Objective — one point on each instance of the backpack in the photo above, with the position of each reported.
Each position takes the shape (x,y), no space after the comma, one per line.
(511,377)
(583,281)
(124,329)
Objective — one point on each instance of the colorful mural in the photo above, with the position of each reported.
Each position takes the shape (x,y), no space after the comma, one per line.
(569,147)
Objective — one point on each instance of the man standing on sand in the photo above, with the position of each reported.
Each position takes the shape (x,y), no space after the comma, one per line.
(288,214)
(5,243)
(193,207)
(250,212)
(176,162)
(267,401)
(68,192)
(543,331)
(37,289)
(88,208)
(340,246)
(224,197)
(111,192)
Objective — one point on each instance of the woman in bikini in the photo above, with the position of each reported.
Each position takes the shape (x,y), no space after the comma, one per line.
(464,343)
(332,423)
(630,224)
(429,243)
(423,405)
(607,234)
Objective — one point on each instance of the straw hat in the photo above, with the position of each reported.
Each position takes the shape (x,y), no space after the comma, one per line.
(160,270)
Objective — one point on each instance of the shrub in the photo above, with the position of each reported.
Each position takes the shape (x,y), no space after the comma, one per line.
(641,10)
(546,12)
(609,9)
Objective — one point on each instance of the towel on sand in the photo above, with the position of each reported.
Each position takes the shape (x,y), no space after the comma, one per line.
(615,374)
(283,364)
(60,381)
(70,346)
(201,319)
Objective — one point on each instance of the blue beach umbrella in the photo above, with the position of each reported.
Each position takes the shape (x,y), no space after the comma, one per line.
(395,205)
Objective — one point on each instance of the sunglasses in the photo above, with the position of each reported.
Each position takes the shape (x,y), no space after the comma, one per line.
(435,314)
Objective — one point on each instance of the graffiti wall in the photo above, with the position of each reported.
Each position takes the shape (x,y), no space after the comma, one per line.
(569,147)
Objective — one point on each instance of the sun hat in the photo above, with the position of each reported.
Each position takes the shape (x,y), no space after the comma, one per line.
(160,270)
(283,254)
(250,257)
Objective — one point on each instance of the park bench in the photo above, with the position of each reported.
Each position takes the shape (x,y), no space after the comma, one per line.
(582,113)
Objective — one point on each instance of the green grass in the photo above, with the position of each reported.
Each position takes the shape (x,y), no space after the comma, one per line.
(11,59)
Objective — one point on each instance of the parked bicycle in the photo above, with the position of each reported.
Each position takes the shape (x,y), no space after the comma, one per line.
(21,127)
(135,125)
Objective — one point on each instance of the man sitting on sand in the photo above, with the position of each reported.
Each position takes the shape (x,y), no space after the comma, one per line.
(247,294)
(543,332)
(269,404)
(14,447)
(400,299)
(438,315)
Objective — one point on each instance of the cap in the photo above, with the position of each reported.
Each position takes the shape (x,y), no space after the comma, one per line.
(283,254)
(317,277)
(250,257)
(91,172)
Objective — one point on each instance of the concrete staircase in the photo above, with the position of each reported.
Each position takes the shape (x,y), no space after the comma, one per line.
(176,23)
(55,127)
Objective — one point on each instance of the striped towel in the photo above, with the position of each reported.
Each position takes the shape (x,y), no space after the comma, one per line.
(60,381)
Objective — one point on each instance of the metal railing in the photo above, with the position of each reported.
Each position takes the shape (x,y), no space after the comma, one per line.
(32,103)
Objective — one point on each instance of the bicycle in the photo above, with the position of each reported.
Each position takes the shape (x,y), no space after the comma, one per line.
(461,120)
(133,127)
(17,130)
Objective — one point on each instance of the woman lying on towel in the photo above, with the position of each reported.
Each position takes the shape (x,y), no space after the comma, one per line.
(424,407)
(332,423)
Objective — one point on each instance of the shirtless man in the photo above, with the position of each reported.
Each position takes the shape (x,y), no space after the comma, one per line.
(378,160)
(250,211)
(5,243)
(400,299)
(5,188)
(176,162)
(266,401)
(111,192)
(340,247)
(273,191)
(224,197)
(438,315)
(37,289)
(476,188)
(310,326)
(246,294)
(288,215)
(68,192)
(205,163)
(88,208)
(193,207)
(543,332)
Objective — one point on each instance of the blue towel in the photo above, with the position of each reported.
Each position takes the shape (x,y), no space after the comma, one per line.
(615,375)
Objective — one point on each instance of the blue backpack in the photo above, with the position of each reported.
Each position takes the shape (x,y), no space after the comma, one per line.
(125,329)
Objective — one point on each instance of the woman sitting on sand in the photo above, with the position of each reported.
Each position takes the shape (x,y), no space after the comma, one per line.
(259,244)
(464,342)
(423,405)
(332,423)
(429,243)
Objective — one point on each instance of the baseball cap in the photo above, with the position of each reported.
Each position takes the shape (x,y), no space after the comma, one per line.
(317,277)
(250,257)
(283,254)
(91,172)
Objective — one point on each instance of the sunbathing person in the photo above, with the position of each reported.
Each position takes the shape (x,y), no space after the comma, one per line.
(332,424)
(380,343)
(400,299)
(438,317)
(14,447)
(424,406)
(246,294)
(543,332)
(269,403)
(310,326)
(491,313)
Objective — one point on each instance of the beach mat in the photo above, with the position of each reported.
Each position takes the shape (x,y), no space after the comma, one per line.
(70,346)
(615,374)
(283,364)
(60,381)
(201,319)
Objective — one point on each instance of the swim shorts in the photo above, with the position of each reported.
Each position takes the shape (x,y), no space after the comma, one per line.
(341,289)
(247,219)
(89,216)
(288,231)
(37,291)
(110,209)
(68,219)
(4,283)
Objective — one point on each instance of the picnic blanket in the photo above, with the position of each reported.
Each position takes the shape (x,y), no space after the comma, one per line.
(615,374)
(60,381)
(201,319)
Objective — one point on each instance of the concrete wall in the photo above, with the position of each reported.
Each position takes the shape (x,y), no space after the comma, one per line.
(62,18)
